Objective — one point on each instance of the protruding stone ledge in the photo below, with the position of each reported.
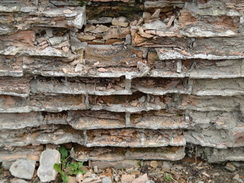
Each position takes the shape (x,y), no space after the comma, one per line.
(94,86)
(198,69)
(41,135)
(50,103)
(210,103)
(135,138)
(213,155)
(129,103)
(82,120)
(220,139)
(170,54)
(117,154)
(223,87)
(11,66)
(159,120)
(161,86)
(32,16)
(15,86)
(20,120)
(30,152)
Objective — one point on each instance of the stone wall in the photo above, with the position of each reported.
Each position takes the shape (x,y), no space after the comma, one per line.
(122,80)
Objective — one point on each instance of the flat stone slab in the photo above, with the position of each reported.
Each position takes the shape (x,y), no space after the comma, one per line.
(23,168)
(48,158)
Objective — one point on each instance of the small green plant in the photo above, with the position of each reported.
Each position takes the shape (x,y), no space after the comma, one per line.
(67,167)
(168,177)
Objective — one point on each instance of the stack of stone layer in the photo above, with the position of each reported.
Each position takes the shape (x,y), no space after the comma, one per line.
(122,84)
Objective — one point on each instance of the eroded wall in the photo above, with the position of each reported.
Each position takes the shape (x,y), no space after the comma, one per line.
(123,80)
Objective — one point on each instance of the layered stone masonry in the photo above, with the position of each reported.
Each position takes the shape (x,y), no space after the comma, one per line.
(122,80)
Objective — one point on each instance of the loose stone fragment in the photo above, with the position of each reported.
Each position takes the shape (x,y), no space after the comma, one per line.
(127,178)
(48,158)
(154,164)
(230,167)
(141,179)
(120,21)
(18,181)
(23,168)
(106,180)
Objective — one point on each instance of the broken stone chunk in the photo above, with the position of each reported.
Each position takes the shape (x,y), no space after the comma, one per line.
(156,25)
(48,158)
(141,179)
(120,21)
(23,168)
(18,181)
(106,180)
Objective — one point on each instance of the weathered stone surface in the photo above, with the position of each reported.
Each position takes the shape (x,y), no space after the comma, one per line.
(158,120)
(41,135)
(144,77)
(159,86)
(95,86)
(210,8)
(27,152)
(209,138)
(223,87)
(129,103)
(18,121)
(134,138)
(163,4)
(51,103)
(164,153)
(117,153)
(96,119)
(210,103)
(120,21)
(48,158)
(108,55)
(198,69)
(15,86)
(213,155)
(106,180)
(23,168)
(216,119)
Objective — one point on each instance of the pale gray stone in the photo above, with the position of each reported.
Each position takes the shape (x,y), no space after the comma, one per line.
(156,25)
(106,180)
(48,158)
(18,181)
(80,19)
(57,40)
(23,168)
(102,20)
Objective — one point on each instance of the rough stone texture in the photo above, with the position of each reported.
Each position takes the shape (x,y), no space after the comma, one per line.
(126,81)
(118,153)
(23,168)
(48,158)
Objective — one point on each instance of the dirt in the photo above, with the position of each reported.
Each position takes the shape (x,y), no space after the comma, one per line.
(188,170)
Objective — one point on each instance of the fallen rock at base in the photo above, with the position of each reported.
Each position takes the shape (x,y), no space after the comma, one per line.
(154,164)
(230,167)
(23,168)
(127,178)
(141,179)
(18,181)
(106,180)
(48,158)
